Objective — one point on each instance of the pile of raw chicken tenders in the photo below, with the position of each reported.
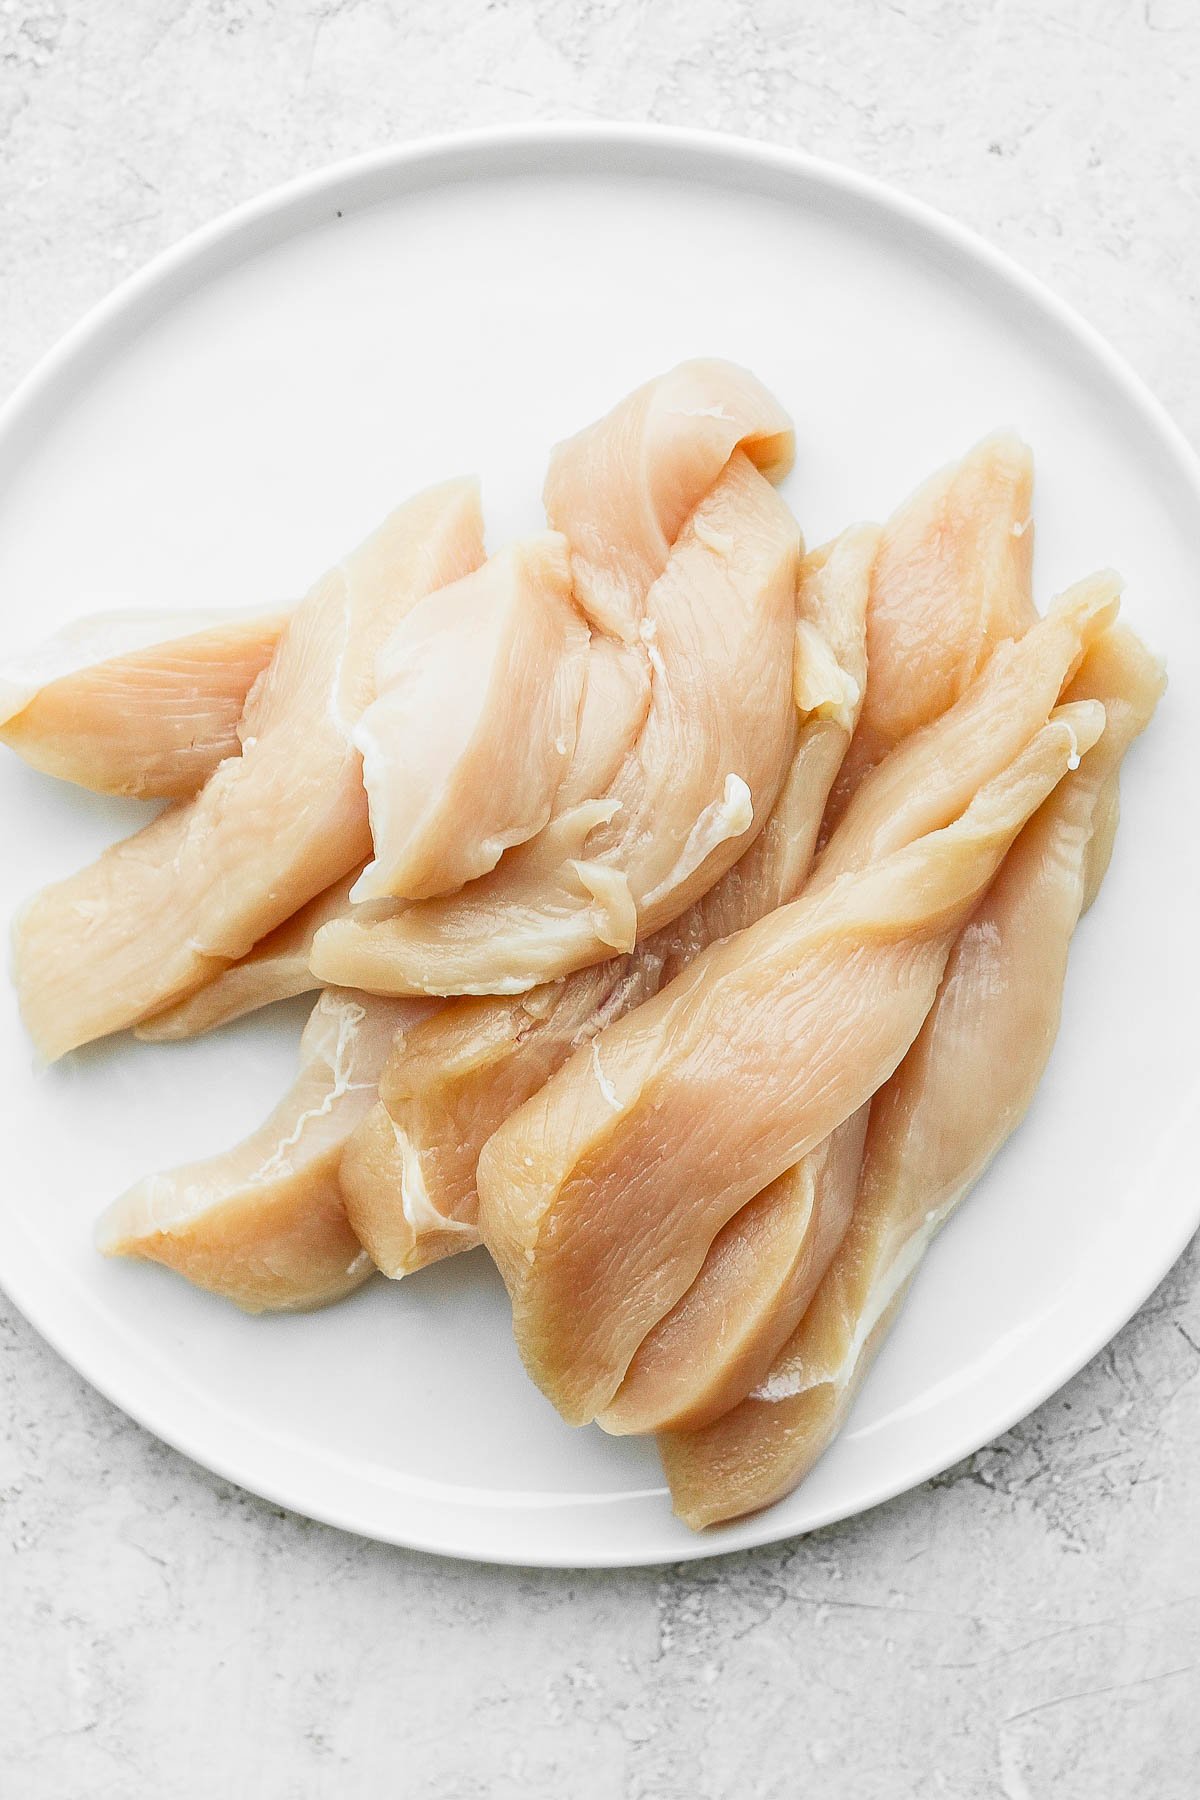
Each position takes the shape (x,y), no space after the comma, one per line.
(689,910)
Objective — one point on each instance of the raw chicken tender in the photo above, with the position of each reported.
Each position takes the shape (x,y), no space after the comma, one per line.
(138,703)
(264,1224)
(952,581)
(599,1199)
(164,911)
(468,741)
(962,1089)
(720,1339)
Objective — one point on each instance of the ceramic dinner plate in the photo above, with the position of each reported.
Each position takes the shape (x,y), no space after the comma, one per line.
(236,416)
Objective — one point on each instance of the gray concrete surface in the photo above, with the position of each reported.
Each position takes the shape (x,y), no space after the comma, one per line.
(1027,1627)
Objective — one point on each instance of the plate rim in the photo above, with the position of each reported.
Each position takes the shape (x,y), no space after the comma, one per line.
(708,152)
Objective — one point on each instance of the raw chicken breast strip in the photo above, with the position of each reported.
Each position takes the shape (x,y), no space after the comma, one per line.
(962,1089)
(409,1170)
(167,909)
(473,728)
(765,1265)
(276,969)
(710,757)
(138,703)
(264,1224)
(964,543)
(725,1080)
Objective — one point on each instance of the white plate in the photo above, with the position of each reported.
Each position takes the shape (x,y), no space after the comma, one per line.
(234,417)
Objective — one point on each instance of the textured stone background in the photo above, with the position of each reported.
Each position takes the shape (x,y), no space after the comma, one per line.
(1026,1627)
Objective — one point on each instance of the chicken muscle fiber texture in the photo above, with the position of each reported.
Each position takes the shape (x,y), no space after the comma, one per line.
(409,1171)
(472,730)
(962,1089)
(264,1224)
(952,581)
(165,910)
(820,1001)
(623,488)
(144,704)
(759,1275)
(702,773)
(276,969)
(930,776)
